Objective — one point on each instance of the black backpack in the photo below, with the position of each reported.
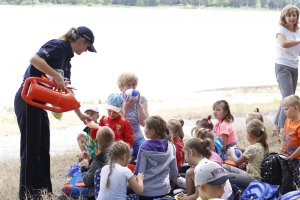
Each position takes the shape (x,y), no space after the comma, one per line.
(277,171)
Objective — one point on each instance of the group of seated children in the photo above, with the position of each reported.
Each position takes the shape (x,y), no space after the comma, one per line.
(162,156)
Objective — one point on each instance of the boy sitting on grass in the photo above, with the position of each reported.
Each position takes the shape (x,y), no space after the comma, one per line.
(105,137)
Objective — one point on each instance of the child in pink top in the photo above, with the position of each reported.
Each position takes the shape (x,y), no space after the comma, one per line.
(224,127)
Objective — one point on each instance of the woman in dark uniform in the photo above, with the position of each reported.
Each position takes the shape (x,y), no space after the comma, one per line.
(52,60)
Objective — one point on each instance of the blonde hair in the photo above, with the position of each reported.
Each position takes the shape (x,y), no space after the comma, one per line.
(105,137)
(254,115)
(292,100)
(70,35)
(125,78)
(286,11)
(258,131)
(176,127)
(115,152)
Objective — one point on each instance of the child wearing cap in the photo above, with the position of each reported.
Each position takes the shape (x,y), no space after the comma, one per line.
(196,151)
(210,180)
(115,120)
(85,142)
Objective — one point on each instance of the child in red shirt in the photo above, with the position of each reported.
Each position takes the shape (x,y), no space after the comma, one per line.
(175,128)
(115,120)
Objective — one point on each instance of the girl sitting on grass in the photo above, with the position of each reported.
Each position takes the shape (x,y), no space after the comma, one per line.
(207,124)
(175,128)
(224,127)
(253,154)
(157,160)
(196,151)
(114,177)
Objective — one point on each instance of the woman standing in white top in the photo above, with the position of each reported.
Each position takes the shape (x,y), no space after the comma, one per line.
(287,53)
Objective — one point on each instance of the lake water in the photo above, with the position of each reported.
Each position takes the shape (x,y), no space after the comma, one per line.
(174,51)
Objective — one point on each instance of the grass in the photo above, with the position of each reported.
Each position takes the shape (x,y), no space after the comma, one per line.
(186,108)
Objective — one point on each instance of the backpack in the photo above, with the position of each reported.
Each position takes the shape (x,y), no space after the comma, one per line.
(75,187)
(277,171)
(291,195)
(257,190)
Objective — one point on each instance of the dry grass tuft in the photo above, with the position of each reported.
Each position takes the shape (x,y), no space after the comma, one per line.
(9,173)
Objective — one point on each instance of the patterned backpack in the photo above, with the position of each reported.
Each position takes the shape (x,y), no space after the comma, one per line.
(277,171)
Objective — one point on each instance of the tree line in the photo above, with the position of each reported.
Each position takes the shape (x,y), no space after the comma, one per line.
(268,4)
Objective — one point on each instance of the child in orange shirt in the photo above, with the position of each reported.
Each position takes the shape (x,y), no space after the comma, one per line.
(291,133)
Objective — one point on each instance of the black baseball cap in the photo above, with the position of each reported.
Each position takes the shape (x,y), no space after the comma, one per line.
(87,34)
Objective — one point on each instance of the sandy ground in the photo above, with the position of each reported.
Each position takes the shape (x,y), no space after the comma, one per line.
(62,141)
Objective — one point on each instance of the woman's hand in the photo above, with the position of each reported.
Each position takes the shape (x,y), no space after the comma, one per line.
(60,84)
(127,105)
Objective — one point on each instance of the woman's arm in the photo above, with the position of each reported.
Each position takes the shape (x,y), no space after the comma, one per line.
(136,183)
(284,43)
(40,64)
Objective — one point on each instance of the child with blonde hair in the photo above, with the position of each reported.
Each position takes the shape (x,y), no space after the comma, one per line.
(105,137)
(224,127)
(253,155)
(135,111)
(196,151)
(116,175)
(157,159)
(175,128)
(210,180)
(291,133)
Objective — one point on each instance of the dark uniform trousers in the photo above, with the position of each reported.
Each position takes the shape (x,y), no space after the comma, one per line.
(34,148)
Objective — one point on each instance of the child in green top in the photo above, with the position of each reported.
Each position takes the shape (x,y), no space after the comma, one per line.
(85,141)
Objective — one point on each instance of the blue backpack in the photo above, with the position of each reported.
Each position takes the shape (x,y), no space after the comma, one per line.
(257,190)
(75,187)
(291,195)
